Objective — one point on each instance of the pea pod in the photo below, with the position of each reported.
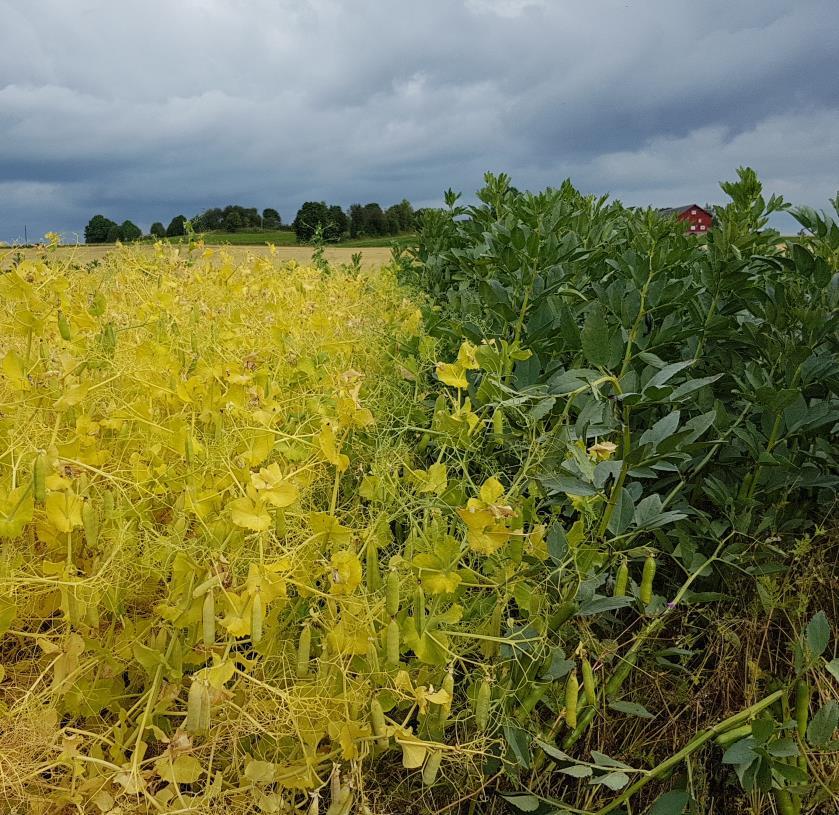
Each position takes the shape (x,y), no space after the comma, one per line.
(572,693)
(63,327)
(564,612)
(419,609)
(377,720)
(482,705)
(490,648)
(621,579)
(39,478)
(90,521)
(498,426)
(257,618)
(588,683)
(392,643)
(645,593)
(304,648)
(392,593)
(208,619)
(373,572)
(446,707)
(108,505)
(730,736)
(802,710)
(431,767)
(198,708)
(784,801)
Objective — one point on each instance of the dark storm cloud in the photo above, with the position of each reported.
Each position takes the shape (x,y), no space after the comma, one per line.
(144,110)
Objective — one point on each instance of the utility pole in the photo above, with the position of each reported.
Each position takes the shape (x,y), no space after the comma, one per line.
(25,235)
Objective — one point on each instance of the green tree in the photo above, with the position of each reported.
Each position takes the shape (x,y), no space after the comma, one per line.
(233,221)
(158,230)
(113,234)
(176,227)
(271,218)
(338,225)
(97,228)
(129,231)
(400,217)
(311,215)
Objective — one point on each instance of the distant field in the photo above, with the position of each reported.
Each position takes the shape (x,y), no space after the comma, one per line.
(371,257)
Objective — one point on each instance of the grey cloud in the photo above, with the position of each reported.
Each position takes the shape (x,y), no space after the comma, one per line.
(144,110)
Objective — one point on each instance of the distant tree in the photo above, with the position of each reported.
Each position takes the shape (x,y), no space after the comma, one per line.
(97,228)
(233,220)
(369,221)
(271,218)
(311,215)
(209,220)
(176,227)
(375,220)
(129,231)
(157,230)
(338,225)
(113,234)
(357,222)
(400,217)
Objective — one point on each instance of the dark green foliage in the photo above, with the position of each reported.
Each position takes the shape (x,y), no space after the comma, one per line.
(97,229)
(313,214)
(176,227)
(728,332)
(129,231)
(113,234)
(157,230)
(371,221)
(710,368)
(271,218)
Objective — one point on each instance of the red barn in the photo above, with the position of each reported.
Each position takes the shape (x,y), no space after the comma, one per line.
(696,219)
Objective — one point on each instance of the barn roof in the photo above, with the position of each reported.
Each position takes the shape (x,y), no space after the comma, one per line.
(668,211)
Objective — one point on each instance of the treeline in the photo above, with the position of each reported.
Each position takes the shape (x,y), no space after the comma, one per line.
(362,221)
(330,221)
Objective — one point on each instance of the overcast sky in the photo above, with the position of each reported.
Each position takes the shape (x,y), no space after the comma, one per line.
(144,110)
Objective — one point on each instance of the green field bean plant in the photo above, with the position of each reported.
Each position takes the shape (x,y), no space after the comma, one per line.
(665,408)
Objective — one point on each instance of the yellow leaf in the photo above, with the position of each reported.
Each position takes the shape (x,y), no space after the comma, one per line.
(249,514)
(442,582)
(603,450)
(491,491)
(466,357)
(72,396)
(14,370)
(16,510)
(260,772)
(413,750)
(64,510)
(345,573)
(329,447)
(259,446)
(452,374)
(182,770)
(434,480)
(273,487)
(329,528)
